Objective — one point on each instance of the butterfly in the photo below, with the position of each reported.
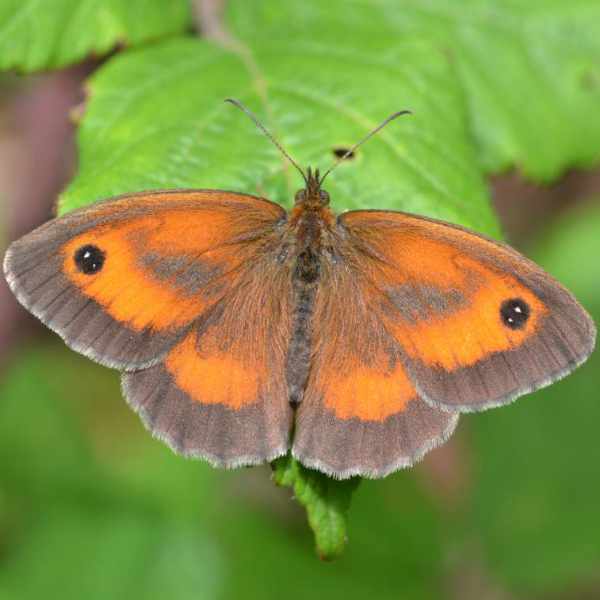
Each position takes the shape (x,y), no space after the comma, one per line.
(243,331)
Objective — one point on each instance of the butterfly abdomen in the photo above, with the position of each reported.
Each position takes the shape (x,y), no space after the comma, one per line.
(306,273)
(297,366)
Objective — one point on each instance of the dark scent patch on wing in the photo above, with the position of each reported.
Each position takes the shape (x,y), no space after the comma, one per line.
(417,302)
(221,435)
(187,274)
(343,448)
(559,345)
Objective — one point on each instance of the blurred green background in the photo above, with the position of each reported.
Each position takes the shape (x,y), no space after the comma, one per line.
(90,505)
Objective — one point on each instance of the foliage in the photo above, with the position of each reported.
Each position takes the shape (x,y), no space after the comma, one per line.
(491,85)
(326,500)
(529,70)
(43,35)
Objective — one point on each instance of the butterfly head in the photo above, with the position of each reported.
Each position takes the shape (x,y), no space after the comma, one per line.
(312,195)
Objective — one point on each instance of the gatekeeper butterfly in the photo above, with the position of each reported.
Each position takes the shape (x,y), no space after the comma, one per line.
(243,331)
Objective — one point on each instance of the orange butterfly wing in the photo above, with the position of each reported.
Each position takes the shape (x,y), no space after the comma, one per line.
(169,256)
(478,323)
(177,292)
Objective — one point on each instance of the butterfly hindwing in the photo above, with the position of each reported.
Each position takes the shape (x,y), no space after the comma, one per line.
(478,323)
(123,280)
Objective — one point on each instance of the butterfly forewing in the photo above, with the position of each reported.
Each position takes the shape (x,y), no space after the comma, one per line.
(123,280)
(478,323)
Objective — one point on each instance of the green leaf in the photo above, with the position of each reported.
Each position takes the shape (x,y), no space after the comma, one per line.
(396,550)
(529,70)
(156,119)
(326,502)
(535,504)
(41,35)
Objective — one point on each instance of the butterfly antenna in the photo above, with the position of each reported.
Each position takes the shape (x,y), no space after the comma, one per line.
(267,133)
(367,137)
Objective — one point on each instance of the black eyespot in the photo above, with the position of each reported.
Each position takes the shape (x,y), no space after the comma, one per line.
(515,313)
(341,152)
(89,259)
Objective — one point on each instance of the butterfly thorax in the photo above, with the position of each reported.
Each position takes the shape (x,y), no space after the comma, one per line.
(311,225)
(311,219)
